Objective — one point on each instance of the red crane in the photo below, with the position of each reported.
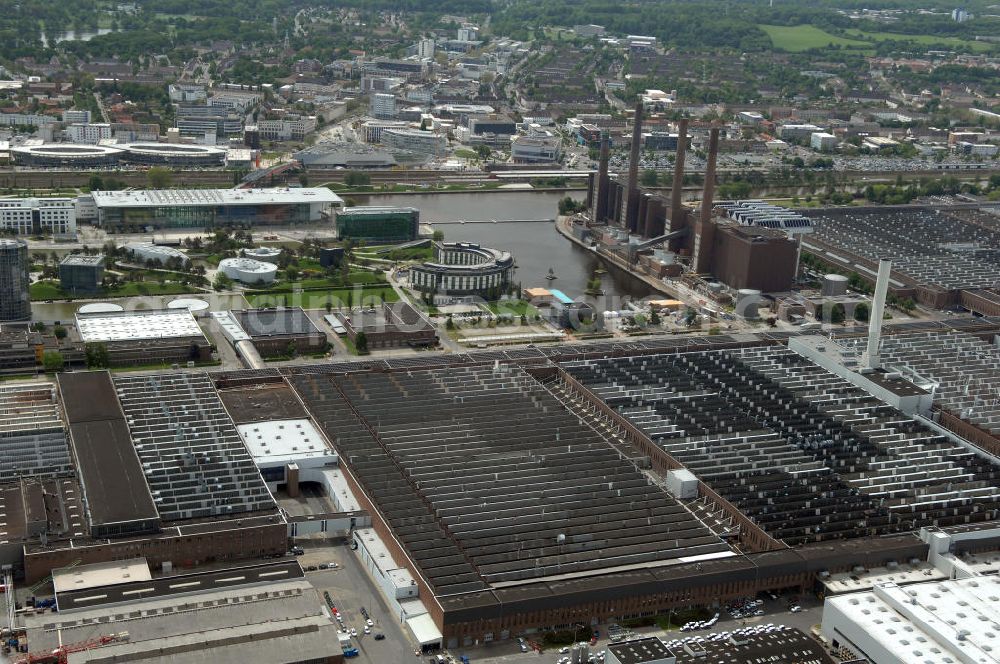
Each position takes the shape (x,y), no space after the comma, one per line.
(58,655)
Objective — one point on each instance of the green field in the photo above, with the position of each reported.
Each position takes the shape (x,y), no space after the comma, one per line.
(924,40)
(804,37)
(50,290)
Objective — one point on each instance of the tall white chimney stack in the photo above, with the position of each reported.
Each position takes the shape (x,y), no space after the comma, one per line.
(877,313)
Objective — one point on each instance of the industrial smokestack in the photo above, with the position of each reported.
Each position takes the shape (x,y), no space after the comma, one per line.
(708,195)
(600,202)
(704,229)
(632,193)
(877,312)
(676,195)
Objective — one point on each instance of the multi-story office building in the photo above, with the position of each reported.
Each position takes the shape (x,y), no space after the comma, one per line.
(199,208)
(526,149)
(183,93)
(378,224)
(373,129)
(33,216)
(289,128)
(414,140)
(383,105)
(15,304)
(80,273)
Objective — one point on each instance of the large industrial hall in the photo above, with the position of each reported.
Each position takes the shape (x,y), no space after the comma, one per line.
(530,489)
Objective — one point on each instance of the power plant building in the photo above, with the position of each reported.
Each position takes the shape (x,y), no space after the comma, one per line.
(201,208)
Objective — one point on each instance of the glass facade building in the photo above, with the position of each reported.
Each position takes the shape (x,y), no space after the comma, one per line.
(378,225)
(15,303)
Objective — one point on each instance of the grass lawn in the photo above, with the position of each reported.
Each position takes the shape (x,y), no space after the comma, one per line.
(50,290)
(924,40)
(317,299)
(804,37)
(513,307)
(465,153)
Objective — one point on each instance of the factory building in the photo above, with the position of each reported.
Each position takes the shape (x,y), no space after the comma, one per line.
(81,273)
(463,269)
(394,325)
(139,483)
(279,332)
(146,336)
(942,257)
(271,614)
(201,208)
(378,225)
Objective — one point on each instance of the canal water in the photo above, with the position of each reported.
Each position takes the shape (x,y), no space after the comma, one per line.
(536,246)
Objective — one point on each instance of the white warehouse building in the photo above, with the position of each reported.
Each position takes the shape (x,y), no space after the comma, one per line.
(248,270)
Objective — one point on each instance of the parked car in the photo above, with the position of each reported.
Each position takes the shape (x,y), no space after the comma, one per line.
(380,636)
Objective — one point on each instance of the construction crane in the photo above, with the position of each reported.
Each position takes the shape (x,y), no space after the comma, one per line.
(59,655)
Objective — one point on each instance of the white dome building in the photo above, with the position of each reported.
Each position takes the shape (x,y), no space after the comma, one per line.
(248,270)
(265,254)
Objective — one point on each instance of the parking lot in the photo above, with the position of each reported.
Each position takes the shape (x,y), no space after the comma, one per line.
(775,612)
(351,590)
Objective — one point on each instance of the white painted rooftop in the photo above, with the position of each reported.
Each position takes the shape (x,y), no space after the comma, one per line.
(283,440)
(230,326)
(137,325)
(209,197)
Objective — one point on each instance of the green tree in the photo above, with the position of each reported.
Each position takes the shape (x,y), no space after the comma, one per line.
(60,332)
(53,361)
(862,312)
(222,282)
(654,318)
(38,327)
(96,356)
(96,183)
(159,177)
(484,152)
(329,304)
(438,235)
(837,313)
(649,178)
(361,343)
(355,178)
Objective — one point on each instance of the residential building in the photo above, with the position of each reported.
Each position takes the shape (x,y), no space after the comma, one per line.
(184,93)
(74,116)
(89,133)
(797,132)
